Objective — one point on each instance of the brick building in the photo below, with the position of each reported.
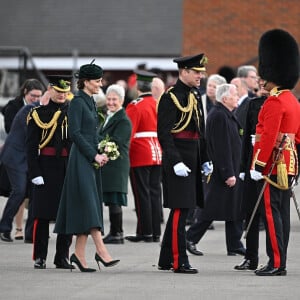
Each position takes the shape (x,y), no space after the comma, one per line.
(120,34)
(229,31)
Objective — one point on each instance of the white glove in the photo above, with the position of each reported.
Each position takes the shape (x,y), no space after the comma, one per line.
(252,139)
(242,176)
(255,175)
(38,180)
(181,169)
(207,168)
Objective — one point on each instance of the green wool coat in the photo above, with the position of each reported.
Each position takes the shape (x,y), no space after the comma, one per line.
(115,173)
(80,206)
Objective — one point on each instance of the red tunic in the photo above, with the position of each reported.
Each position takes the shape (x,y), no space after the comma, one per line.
(144,149)
(279,114)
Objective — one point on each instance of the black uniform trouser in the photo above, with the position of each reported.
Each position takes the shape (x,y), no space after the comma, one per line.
(252,189)
(173,246)
(146,188)
(41,238)
(233,232)
(252,240)
(276,212)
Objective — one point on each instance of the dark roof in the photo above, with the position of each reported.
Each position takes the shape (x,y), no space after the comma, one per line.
(94,27)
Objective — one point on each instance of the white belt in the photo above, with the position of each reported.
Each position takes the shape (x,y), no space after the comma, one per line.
(143,134)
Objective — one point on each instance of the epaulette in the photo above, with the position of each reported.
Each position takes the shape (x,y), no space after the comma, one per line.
(29,116)
(276,91)
(137,100)
(169,89)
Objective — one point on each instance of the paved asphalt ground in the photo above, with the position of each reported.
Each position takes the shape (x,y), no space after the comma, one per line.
(137,277)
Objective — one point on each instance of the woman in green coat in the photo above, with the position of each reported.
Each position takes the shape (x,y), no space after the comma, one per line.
(80,209)
(115,173)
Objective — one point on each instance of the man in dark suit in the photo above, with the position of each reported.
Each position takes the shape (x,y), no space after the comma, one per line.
(223,137)
(13,155)
(250,188)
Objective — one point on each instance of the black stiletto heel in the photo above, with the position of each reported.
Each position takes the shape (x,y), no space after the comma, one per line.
(74,259)
(105,264)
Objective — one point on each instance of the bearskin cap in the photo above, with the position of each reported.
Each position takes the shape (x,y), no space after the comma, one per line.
(278,58)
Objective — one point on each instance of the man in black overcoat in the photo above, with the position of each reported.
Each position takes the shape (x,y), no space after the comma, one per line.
(222,202)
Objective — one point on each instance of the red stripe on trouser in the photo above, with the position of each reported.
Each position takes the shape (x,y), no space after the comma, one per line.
(175,250)
(34,235)
(271,227)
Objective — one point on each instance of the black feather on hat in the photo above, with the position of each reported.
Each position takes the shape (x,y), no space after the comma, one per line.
(278,58)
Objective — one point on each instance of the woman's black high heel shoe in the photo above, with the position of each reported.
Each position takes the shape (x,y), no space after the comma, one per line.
(74,259)
(105,264)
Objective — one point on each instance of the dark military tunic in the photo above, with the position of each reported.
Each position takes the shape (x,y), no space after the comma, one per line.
(181,192)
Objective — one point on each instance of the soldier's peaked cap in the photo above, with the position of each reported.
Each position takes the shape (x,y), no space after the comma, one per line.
(195,62)
(278,58)
(143,75)
(61,83)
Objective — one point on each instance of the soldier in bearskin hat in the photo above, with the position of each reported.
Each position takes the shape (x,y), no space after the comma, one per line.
(274,157)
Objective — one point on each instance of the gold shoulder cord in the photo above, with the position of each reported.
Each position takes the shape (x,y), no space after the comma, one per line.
(46,137)
(186,112)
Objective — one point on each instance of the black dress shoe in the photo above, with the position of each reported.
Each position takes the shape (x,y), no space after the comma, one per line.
(5,237)
(40,263)
(63,263)
(211,227)
(165,267)
(114,239)
(191,247)
(246,264)
(186,270)
(270,271)
(139,238)
(156,238)
(240,251)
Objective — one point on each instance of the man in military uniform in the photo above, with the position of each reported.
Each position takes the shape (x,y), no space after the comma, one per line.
(47,153)
(275,157)
(181,136)
(145,161)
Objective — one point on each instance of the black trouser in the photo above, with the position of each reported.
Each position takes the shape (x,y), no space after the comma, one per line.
(250,192)
(146,188)
(252,239)
(276,212)
(173,247)
(233,231)
(41,238)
